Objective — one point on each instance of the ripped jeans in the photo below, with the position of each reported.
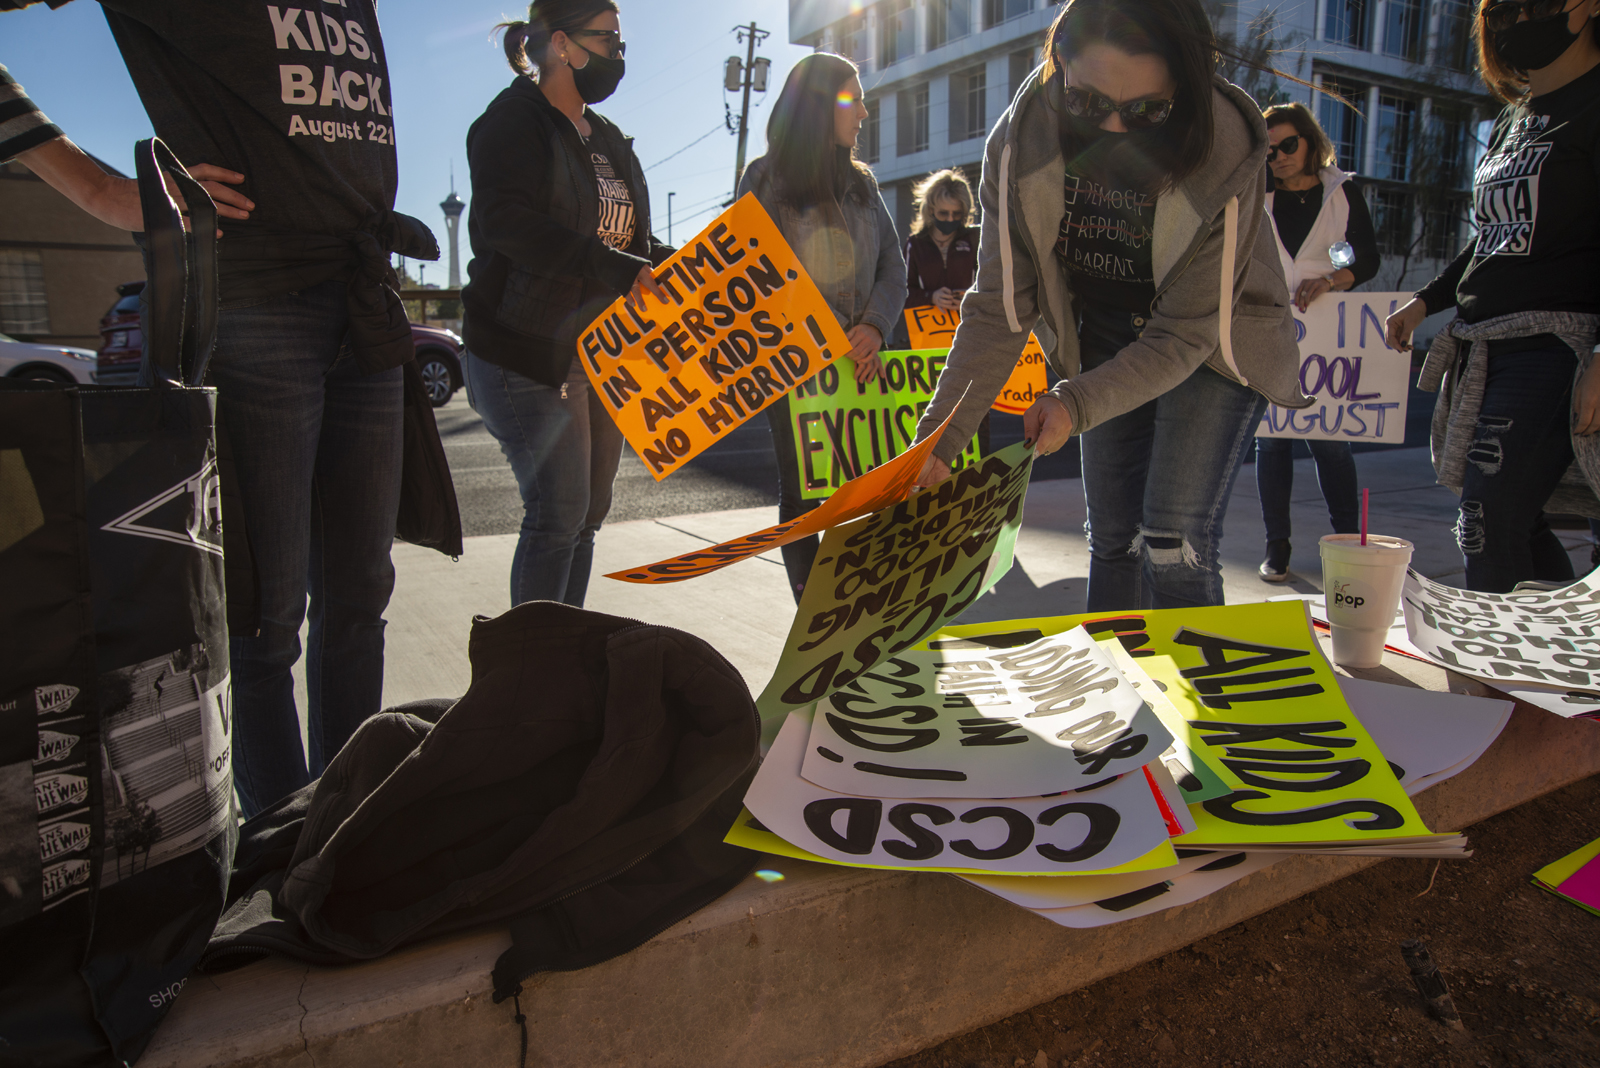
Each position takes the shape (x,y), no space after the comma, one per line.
(1157,482)
(1520,448)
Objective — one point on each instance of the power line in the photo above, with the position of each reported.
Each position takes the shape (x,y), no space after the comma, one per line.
(685,148)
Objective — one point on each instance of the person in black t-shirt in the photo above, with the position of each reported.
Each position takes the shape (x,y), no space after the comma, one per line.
(1314,207)
(560,227)
(295,103)
(1526,292)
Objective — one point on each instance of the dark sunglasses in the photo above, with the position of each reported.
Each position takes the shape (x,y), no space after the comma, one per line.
(1288,146)
(1502,15)
(1094,108)
(617,46)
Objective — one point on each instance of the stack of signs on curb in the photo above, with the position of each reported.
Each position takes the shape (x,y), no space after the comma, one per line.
(1260,704)
(1575,877)
(1041,761)
(1542,647)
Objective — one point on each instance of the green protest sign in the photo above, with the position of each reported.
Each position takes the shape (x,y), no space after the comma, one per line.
(889,579)
(843,428)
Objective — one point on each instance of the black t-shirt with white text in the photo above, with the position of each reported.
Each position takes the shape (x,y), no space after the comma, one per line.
(1536,206)
(616,203)
(294,98)
(1104,240)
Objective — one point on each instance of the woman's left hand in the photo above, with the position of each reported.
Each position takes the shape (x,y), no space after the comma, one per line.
(865,341)
(1310,290)
(1586,401)
(1047,424)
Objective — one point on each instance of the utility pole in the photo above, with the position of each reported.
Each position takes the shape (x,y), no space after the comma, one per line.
(669,217)
(752,75)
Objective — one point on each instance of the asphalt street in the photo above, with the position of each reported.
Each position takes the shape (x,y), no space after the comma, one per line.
(738,472)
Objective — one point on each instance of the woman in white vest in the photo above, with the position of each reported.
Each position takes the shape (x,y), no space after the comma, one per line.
(1317,214)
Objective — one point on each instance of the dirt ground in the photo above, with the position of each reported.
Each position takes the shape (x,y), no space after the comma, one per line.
(1319,981)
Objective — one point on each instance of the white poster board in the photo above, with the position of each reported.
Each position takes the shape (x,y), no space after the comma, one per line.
(1049,716)
(1359,384)
(1084,831)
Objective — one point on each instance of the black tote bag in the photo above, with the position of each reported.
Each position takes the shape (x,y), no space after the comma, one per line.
(117,822)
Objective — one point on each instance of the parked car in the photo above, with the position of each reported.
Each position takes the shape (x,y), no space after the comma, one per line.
(121,338)
(439,356)
(48,363)
(438,350)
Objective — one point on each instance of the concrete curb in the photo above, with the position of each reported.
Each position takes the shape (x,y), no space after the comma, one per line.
(832,966)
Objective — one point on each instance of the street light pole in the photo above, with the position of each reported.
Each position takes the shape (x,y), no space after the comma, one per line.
(669,217)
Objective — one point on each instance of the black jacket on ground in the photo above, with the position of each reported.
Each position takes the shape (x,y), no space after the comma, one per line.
(540,273)
(580,789)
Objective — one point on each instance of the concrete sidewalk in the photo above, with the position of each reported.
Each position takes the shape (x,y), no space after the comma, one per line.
(745,610)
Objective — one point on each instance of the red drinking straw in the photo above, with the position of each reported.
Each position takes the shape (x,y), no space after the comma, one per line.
(1363,517)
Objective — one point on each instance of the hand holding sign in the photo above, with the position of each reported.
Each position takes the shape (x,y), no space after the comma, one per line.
(735,323)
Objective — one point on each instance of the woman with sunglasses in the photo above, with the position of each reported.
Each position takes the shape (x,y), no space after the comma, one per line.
(1521,393)
(1123,203)
(1314,208)
(826,204)
(560,227)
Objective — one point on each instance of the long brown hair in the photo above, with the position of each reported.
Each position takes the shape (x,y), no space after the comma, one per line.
(525,42)
(1320,153)
(806,164)
(1506,83)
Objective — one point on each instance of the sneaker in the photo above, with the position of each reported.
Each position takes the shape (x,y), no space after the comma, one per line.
(1275,568)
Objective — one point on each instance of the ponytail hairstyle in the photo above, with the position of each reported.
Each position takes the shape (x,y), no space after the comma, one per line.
(525,42)
(806,165)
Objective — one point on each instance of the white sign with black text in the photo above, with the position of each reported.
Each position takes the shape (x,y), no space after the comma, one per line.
(1360,384)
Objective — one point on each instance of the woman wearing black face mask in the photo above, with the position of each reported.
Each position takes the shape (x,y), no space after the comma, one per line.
(1521,394)
(560,227)
(1123,204)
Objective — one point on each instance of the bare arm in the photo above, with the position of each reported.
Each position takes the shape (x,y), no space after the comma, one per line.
(67,169)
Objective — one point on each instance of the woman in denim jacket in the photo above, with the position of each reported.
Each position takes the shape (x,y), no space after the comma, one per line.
(827,206)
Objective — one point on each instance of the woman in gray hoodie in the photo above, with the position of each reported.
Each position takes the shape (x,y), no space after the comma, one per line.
(1123,204)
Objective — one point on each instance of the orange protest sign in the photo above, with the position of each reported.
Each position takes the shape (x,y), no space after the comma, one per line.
(935,328)
(744,326)
(887,484)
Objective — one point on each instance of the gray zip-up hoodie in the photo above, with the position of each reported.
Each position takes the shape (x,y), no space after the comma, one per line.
(1212,247)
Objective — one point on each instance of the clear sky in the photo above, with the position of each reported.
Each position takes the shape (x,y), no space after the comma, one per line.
(444,70)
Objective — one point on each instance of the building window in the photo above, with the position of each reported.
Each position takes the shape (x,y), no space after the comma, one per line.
(1396,124)
(911,120)
(1405,29)
(1391,219)
(24,310)
(948,20)
(853,37)
(968,104)
(1020,65)
(997,11)
(1441,230)
(868,144)
(897,22)
(1455,35)
(1346,23)
(1445,150)
(1345,125)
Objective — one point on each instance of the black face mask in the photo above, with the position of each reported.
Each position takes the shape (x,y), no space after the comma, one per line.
(947,226)
(598,78)
(1535,43)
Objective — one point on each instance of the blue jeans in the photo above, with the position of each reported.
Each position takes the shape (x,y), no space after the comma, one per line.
(317,447)
(1336,474)
(1157,480)
(563,449)
(1521,446)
